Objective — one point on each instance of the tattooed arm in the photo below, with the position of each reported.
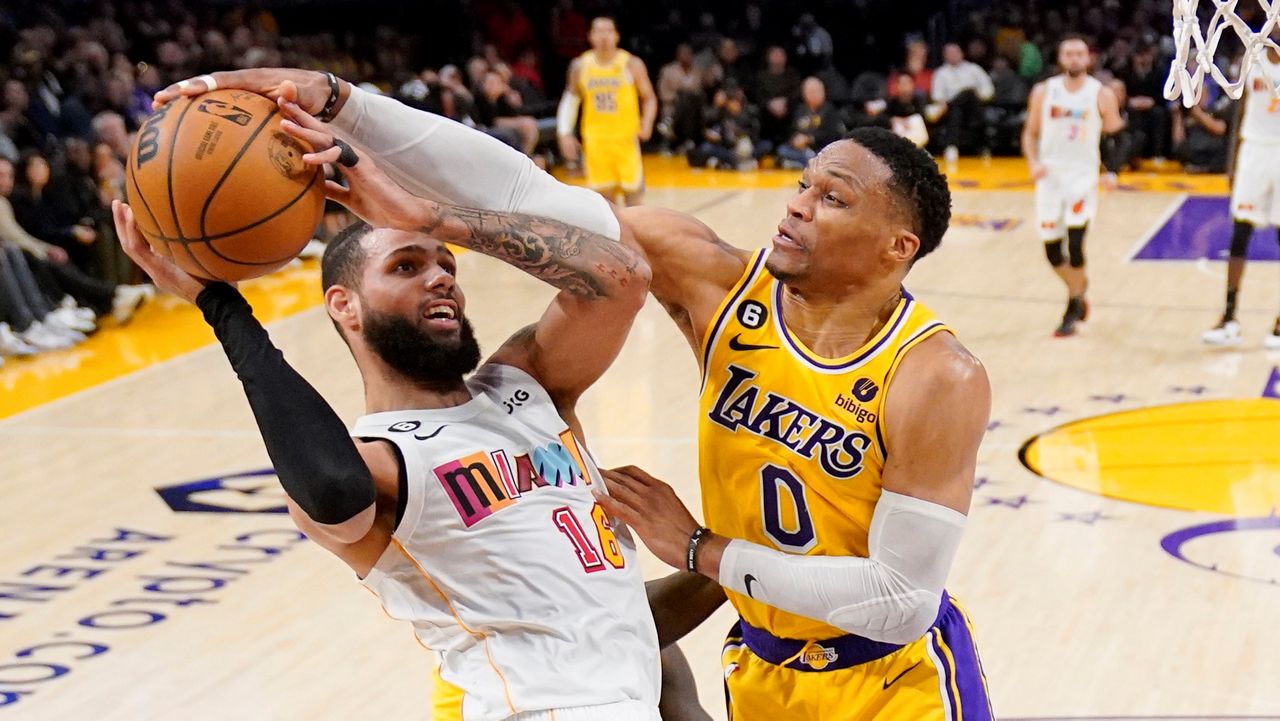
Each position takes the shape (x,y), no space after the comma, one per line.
(602,283)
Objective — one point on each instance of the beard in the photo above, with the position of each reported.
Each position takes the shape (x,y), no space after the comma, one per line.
(1076,72)
(416,354)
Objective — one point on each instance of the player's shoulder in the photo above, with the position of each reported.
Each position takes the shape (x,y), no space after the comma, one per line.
(941,366)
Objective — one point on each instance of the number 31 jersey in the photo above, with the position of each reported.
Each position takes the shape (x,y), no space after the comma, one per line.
(503,561)
(790,444)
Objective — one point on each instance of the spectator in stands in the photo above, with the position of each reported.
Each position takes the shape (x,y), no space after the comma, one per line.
(916,66)
(729,68)
(109,129)
(731,138)
(905,111)
(53,213)
(30,320)
(1147,111)
(964,89)
(15,119)
(1007,106)
(777,85)
(500,107)
(815,125)
(682,90)
(1200,138)
(61,284)
(814,47)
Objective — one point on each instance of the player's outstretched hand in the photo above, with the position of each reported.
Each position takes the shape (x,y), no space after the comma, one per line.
(653,509)
(370,194)
(308,88)
(164,273)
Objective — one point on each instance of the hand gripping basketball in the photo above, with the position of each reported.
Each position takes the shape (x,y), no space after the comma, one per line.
(308,88)
(370,194)
(164,273)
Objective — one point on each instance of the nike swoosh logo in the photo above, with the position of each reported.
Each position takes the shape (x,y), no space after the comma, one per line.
(749,579)
(737,344)
(888,683)
(432,434)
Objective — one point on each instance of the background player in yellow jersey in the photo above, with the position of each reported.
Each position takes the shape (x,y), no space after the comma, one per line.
(840,421)
(617,115)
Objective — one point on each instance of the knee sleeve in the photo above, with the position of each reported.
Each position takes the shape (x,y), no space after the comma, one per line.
(1075,246)
(1241,232)
(1053,251)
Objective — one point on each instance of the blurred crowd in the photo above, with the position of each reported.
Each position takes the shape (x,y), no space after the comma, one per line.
(739,83)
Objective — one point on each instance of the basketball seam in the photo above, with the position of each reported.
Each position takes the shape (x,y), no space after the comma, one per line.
(210,240)
(204,211)
(130,177)
(173,145)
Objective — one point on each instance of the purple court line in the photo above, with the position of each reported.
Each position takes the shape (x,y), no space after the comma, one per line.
(1156,227)
(1200,229)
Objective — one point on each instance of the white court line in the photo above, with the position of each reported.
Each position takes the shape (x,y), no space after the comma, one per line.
(1155,228)
(8,423)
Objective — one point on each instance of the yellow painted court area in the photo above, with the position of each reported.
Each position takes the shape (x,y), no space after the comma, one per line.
(1220,456)
(162,329)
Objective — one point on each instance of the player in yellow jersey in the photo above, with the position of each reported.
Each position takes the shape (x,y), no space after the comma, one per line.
(618,109)
(839,423)
(838,435)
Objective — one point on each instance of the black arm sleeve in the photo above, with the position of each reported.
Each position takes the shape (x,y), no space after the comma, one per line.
(1115,148)
(313,455)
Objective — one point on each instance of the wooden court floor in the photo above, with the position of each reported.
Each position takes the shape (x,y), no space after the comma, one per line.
(1127,569)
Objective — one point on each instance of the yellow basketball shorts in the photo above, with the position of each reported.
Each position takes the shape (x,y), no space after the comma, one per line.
(937,677)
(613,163)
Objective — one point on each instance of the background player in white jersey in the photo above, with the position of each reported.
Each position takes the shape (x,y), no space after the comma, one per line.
(457,497)
(1255,187)
(1069,118)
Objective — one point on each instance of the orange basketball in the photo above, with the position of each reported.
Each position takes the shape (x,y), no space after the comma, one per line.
(220,189)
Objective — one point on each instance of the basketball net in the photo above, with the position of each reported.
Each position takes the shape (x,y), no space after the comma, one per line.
(1196,48)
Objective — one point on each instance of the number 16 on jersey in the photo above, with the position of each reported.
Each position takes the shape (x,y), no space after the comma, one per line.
(592,560)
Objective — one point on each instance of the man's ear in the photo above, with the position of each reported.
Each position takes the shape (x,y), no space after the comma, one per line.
(343,306)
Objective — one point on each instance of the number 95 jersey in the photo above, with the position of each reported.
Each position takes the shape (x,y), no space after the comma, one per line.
(507,567)
(791,445)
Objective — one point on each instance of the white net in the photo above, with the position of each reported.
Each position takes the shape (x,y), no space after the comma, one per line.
(1197,46)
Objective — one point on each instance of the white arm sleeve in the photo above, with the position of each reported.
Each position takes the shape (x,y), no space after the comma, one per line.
(892,597)
(434,157)
(567,113)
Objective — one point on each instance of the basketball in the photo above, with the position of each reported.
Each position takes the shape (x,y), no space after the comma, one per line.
(220,189)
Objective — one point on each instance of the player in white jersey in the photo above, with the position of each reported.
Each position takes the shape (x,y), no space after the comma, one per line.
(1071,122)
(1255,188)
(467,506)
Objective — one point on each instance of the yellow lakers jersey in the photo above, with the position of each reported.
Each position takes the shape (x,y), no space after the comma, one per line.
(791,445)
(610,103)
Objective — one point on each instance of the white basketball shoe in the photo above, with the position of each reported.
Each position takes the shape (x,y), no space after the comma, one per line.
(1226,333)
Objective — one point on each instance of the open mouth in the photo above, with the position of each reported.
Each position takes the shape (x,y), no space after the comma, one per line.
(785,240)
(442,314)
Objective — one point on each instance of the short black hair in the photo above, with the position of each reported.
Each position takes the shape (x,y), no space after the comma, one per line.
(916,180)
(344,256)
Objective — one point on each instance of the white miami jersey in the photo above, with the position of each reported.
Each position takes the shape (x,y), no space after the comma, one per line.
(1261,120)
(505,564)
(1070,124)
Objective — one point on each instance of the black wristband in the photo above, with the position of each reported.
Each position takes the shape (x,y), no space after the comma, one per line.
(326,113)
(690,561)
(312,453)
(1114,151)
